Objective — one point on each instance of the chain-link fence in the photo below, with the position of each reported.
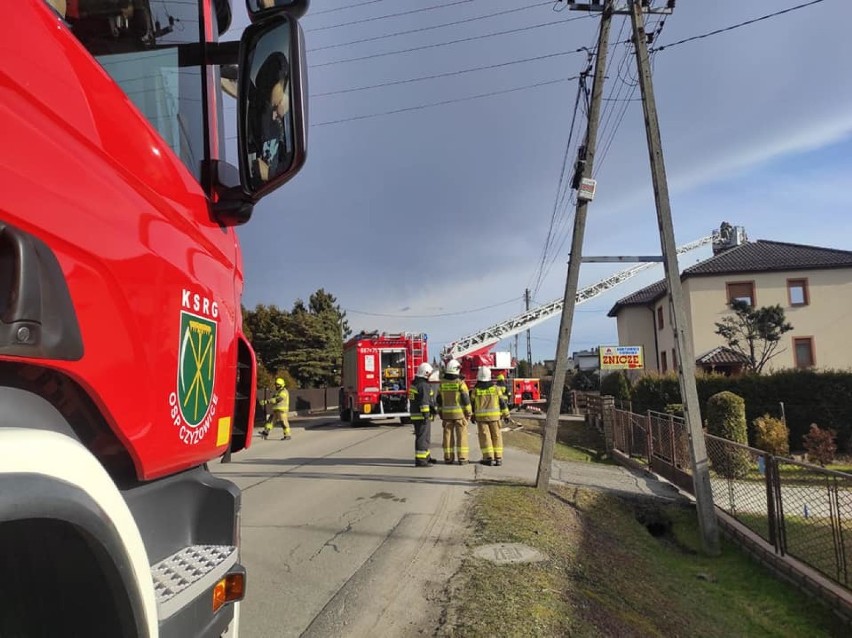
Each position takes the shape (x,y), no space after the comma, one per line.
(800,509)
(815,516)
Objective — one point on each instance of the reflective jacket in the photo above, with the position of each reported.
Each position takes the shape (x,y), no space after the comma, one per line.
(488,401)
(281,401)
(453,398)
(421,399)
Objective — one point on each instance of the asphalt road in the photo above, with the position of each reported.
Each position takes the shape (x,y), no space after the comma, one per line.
(342,535)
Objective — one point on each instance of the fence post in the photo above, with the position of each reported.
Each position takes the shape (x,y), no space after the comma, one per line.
(608,416)
(770,475)
(649,438)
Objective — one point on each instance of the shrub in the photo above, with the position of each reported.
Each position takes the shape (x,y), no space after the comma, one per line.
(771,435)
(820,444)
(675,409)
(585,380)
(616,385)
(726,419)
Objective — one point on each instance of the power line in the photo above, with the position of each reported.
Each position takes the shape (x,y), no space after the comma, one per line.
(430,28)
(441,44)
(443,314)
(389,15)
(444,75)
(736,26)
(443,102)
(351,6)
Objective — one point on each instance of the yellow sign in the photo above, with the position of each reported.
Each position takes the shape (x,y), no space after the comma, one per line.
(621,358)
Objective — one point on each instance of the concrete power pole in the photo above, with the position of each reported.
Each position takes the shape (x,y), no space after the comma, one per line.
(552,421)
(682,329)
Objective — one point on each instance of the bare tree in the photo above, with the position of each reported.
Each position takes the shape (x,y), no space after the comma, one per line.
(755,333)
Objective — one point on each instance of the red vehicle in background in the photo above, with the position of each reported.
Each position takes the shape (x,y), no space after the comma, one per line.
(377,371)
(123,365)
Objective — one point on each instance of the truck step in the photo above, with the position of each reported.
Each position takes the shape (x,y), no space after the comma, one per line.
(181,577)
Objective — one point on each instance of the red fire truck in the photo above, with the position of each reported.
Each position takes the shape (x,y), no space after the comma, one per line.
(123,366)
(377,371)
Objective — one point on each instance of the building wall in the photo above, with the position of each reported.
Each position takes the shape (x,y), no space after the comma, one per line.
(636,328)
(826,318)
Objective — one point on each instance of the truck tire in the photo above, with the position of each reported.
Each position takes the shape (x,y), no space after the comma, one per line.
(354,418)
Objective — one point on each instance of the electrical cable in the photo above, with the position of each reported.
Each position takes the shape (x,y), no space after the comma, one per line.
(443,314)
(736,26)
(443,102)
(351,6)
(429,28)
(389,15)
(441,44)
(443,75)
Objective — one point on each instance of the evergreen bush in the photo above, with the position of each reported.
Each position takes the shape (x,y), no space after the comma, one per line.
(726,419)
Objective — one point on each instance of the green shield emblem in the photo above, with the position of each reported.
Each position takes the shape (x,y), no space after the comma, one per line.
(196,367)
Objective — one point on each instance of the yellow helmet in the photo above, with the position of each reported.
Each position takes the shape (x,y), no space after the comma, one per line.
(501,377)
(279,383)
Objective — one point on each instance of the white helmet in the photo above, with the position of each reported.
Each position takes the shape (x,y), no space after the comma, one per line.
(453,367)
(423,370)
(483,374)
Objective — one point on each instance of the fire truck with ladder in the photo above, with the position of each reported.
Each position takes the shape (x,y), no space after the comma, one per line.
(124,369)
(377,370)
(474,350)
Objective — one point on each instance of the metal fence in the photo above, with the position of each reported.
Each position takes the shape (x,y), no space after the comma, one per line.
(800,509)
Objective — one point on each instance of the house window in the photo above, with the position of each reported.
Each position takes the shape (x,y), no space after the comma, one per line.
(741,291)
(803,352)
(797,292)
(659,318)
(664,364)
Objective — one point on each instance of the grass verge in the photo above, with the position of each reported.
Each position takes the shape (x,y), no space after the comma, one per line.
(606,575)
(575,441)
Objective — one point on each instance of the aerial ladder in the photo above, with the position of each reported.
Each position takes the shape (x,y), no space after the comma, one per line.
(480,343)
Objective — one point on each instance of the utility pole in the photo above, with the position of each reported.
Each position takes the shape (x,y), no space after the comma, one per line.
(529,347)
(683,331)
(551,426)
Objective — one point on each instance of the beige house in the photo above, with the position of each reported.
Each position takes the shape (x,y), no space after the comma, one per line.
(813,285)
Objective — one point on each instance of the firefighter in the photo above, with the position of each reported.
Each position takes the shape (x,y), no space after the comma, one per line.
(488,406)
(454,408)
(501,386)
(422,408)
(280,409)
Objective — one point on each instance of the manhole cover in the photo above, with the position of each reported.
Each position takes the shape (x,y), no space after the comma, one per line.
(503,553)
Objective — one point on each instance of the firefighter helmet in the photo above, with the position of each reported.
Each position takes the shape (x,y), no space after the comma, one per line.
(483,374)
(501,377)
(279,383)
(453,367)
(423,370)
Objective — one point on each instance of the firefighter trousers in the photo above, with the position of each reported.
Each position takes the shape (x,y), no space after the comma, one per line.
(279,418)
(490,439)
(422,440)
(455,440)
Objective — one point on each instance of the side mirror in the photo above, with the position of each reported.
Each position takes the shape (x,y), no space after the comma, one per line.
(272,110)
(258,8)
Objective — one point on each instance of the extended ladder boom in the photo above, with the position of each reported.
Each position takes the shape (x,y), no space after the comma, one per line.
(487,338)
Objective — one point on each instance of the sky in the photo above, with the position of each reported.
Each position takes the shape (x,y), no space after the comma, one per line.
(436,218)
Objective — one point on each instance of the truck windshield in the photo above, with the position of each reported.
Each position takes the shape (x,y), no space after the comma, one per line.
(136,42)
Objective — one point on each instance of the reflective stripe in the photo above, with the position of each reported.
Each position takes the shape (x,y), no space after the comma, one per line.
(421,455)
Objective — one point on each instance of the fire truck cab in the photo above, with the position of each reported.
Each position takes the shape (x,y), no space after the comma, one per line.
(124,369)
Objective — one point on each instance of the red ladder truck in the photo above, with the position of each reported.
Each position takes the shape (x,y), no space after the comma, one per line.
(124,369)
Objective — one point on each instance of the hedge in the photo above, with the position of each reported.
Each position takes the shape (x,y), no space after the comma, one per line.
(824,398)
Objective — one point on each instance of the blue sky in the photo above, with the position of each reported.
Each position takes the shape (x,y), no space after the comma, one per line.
(418,220)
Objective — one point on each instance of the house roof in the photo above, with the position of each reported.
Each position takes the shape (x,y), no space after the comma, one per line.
(750,257)
(642,297)
(721,355)
(770,256)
